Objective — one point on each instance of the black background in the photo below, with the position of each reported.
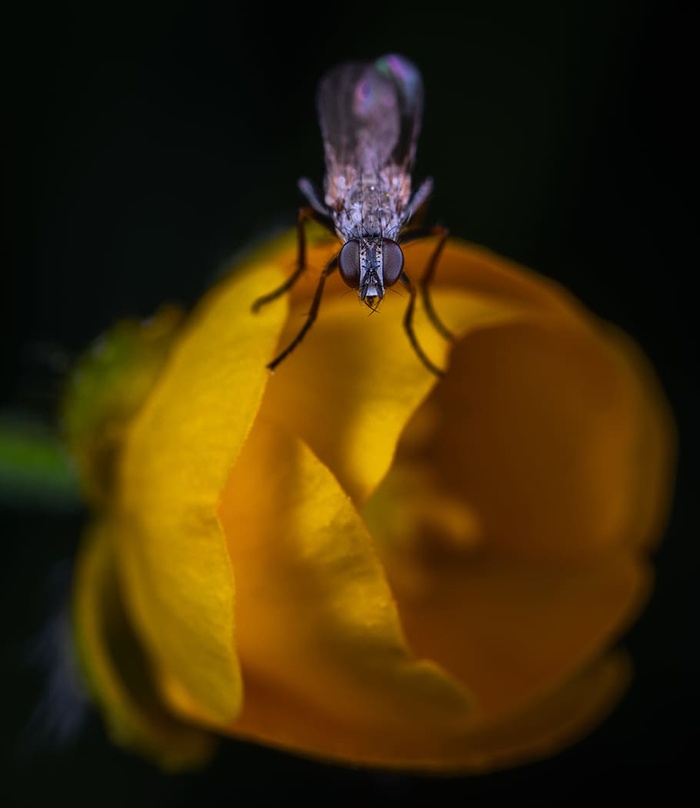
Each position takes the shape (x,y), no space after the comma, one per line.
(147,144)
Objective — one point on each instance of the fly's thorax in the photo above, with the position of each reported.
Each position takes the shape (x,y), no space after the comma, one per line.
(368,205)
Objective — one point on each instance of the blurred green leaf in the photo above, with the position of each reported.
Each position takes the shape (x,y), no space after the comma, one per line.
(35,469)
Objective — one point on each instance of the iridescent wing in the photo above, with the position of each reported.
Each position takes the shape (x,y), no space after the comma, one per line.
(370,114)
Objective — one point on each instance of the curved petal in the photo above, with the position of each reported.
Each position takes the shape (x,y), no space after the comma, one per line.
(512,629)
(117,667)
(511,515)
(325,665)
(178,579)
(545,727)
(351,387)
(349,390)
(654,451)
(538,429)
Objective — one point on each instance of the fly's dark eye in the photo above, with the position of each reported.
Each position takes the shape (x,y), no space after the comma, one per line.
(393,261)
(349,263)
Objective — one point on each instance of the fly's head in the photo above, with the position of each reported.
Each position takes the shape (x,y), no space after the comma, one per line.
(370,265)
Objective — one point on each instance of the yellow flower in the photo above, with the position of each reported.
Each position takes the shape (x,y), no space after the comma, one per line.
(351,558)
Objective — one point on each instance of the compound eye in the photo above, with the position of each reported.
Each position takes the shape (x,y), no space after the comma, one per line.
(392,261)
(349,263)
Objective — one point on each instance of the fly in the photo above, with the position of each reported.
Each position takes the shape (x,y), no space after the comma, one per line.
(370,117)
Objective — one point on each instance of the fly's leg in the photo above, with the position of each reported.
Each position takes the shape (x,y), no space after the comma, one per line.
(443,234)
(330,267)
(426,279)
(304,215)
(410,331)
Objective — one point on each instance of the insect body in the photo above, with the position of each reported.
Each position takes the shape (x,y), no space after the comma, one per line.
(370,116)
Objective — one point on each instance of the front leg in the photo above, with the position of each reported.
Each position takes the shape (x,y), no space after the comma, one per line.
(304,215)
(330,267)
(429,272)
(410,331)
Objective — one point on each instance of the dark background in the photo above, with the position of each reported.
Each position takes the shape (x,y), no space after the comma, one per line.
(147,144)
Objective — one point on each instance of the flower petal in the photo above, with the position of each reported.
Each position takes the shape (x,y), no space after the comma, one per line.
(509,628)
(179,585)
(117,669)
(652,466)
(545,727)
(349,391)
(325,665)
(550,437)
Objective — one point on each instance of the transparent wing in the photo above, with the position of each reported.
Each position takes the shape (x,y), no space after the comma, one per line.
(370,114)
